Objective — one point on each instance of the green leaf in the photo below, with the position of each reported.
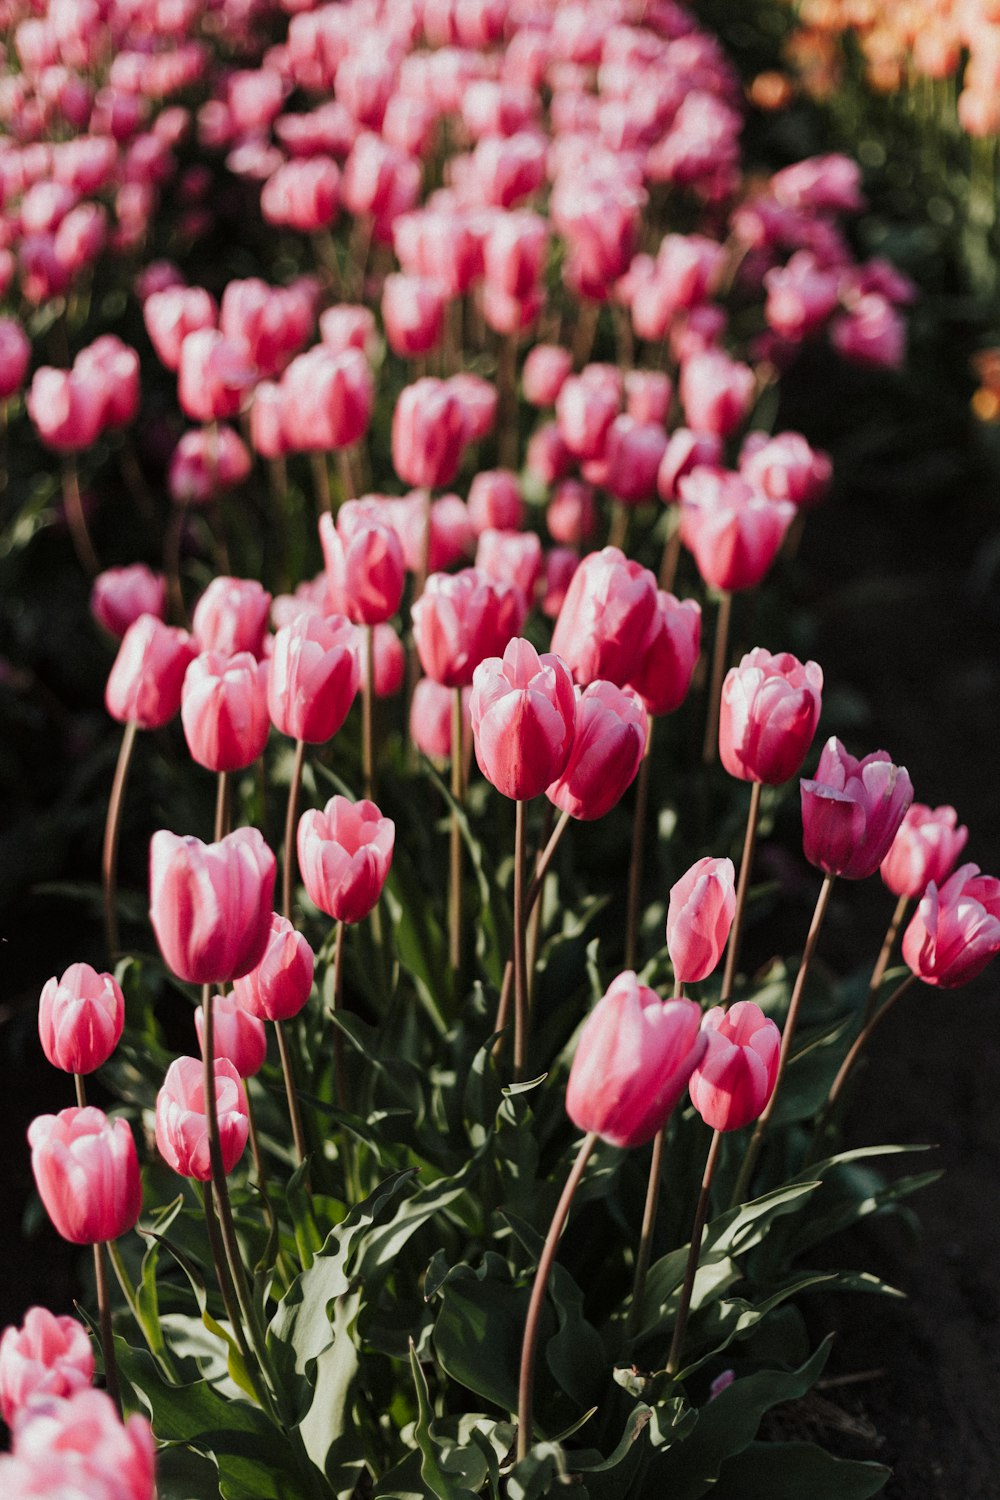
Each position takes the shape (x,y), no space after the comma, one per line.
(793,1471)
(479,1328)
(723,1322)
(442,1485)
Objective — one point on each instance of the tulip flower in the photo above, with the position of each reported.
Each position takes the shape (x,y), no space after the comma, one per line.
(429,434)
(667,655)
(851,811)
(237,1034)
(955,930)
(523,718)
(224,710)
(609,740)
(47,1356)
(145,683)
(364,562)
(685,452)
(328,399)
(461,619)
(214,376)
(78,1446)
(699,916)
(544,372)
(279,986)
(206,462)
(80,1019)
(632,455)
(210,904)
(571,513)
(87,1173)
(647,396)
(513,557)
(716,392)
(585,411)
(608,610)
(925,848)
(390,658)
(413,309)
(313,678)
(182,1119)
(733,532)
(231,616)
(120,595)
(344,854)
(495,502)
(430,718)
(171,314)
(632,1062)
(734,1080)
(770,709)
(15,355)
(785,467)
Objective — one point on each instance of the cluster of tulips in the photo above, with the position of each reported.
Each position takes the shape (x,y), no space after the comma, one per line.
(504,172)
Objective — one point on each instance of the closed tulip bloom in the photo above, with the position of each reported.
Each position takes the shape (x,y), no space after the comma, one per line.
(548,458)
(609,608)
(364,562)
(279,986)
(231,616)
(716,392)
(852,810)
(560,565)
(733,532)
(78,1448)
(785,467)
(479,400)
(87,1174)
(66,407)
(114,366)
(668,654)
(632,455)
(210,904)
(571,513)
(47,1356)
(699,916)
(348,327)
(214,376)
(144,685)
(768,716)
(955,930)
(735,1079)
(80,1019)
(925,848)
(303,195)
(608,744)
(429,434)
(632,1062)
(15,353)
(685,452)
(344,855)
(224,710)
(170,315)
(413,314)
(461,619)
(206,462)
(495,501)
(390,659)
(314,677)
(585,411)
(328,399)
(430,718)
(237,1034)
(523,719)
(120,595)
(545,370)
(182,1120)
(513,557)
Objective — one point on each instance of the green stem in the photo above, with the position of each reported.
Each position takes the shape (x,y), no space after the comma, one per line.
(455,870)
(150,1329)
(520,972)
(107,1333)
(321,480)
(710,747)
(112,832)
(339,1062)
(529,1347)
(859,1043)
(223,806)
(76,520)
(645,1252)
(294,1108)
(691,1270)
(288,870)
(882,962)
(368,715)
(638,841)
(742,886)
(534,891)
(671,550)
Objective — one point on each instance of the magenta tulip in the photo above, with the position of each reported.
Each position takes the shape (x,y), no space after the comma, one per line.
(735,1079)
(852,810)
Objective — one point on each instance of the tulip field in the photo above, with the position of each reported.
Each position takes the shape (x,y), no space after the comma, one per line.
(498,536)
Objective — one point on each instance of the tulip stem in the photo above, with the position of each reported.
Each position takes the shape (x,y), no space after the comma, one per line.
(107,1333)
(691,1270)
(112,830)
(76,520)
(150,1329)
(223,806)
(534,891)
(645,1251)
(638,841)
(859,1042)
(345,473)
(288,872)
(339,1069)
(882,962)
(529,1347)
(294,1110)
(455,874)
(81,1090)
(321,480)
(742,886)
(756,1140)
(520,963)
(710,747)
(507,387)
(225,1281)
(671,551)
(258,1160)
(368,715)
(621,515)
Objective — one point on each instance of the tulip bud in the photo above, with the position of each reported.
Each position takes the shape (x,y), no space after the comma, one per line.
(182,1118)
(224,710)
(735,1079)
(545,370)
(955,931)
(523,719)
(685,452)
(479,402)
(214,375)
(495,502)
(210,904)
(632,1062)
(925,848)
(170,315)
(513,557)
(15,354)
(785,467)
(279,986)
(413,314)
(314,677)
(67,408)
(206,462)
(364,562)
(852,810)
(231,617)
(632,454)
(390,659)
(87,1174)
(120,595)
(236,1034)
(716,392)
(144,685)
(609,741)
(461,619)
(344,856)
(328,399)
(114,368)
(429,433)
(667,655)
(303,195)
(699,916)
(584,413)
(733,532)
(571,514)
(80,1019)
(608,611)
(431,715)
(768,716)
(48,1356)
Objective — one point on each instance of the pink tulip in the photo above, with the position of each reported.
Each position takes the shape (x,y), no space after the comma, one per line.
(513,557)
(768,716)
(80,1019)
(608,611)
(314,677)
(431,715)
(609,741)
(364,559)
(303,195)
(87,1174)
(872,333)
(348,327)
(495,501)
(237,1034)
(828,184)
(66,407)
(955,930)
(328,399)
(206,462)
(145,683)
(632,1062)
(585,411)
(390,659)
(546,368)
(925,848)
(272,322)
(461,619)
(647,396)
(523,719)
(78,1446)
(716,392)
(800,295)
(785,467)
(413,310)
(182,1119)
(735,1079)
(852,810)
(344,855)
(668,654)
(170,315)
(48,1356)
(279,986)
(571,514)
(210,904)
(214,376)
(224,710)
(733,532)
(114,367)
(120,595)
(15,354)
(685,452)
(231,616)
(699,916)
(429,434)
